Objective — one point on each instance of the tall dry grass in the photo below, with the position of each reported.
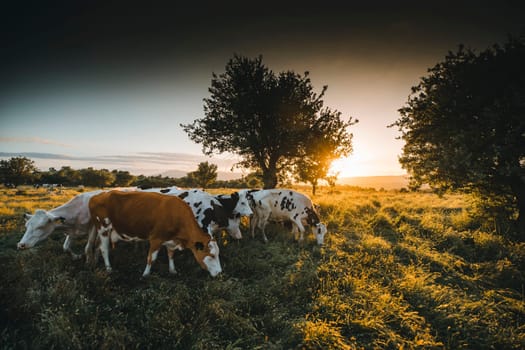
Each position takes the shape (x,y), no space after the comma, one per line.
(398,270)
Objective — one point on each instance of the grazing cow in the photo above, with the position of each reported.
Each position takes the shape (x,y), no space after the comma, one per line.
(213,213)
(72,216)
(162,220)
(285,205)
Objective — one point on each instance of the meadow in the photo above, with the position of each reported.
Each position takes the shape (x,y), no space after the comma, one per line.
(398,271)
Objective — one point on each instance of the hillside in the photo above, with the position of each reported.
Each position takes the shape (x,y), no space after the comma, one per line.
(377,182)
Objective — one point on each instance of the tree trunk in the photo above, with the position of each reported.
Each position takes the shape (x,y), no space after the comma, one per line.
(270,179)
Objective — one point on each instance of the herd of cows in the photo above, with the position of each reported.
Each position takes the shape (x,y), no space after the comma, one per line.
(172,217)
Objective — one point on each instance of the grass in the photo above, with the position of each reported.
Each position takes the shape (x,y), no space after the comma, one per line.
(397,271)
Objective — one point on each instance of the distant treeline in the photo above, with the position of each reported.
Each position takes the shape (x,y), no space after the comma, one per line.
(67,176)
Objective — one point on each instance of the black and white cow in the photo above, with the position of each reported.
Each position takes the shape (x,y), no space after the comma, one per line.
(285,205)
(213,213)
(73,217)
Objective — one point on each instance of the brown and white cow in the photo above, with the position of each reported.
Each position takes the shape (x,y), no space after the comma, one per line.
(162,220)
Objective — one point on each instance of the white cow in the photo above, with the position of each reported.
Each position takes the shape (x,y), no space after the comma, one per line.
(213,213)
(72,216)
(285,205)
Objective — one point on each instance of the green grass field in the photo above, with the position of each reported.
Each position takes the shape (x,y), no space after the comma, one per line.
(397,271)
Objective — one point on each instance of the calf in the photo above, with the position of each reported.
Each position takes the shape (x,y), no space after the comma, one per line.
(285,205)
(72,216)
(162,220)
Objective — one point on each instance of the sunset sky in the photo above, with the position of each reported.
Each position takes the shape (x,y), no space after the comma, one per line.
(106,84)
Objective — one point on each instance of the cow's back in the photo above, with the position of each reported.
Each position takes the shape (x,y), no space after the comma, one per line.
(138,214)
(284,200)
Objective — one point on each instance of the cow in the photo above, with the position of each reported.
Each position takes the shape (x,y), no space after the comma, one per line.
(162,220)
(213,213)
(285,205)
(72,216)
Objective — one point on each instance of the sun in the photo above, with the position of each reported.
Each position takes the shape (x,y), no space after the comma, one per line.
(344,167)
(357,164)
(365,164)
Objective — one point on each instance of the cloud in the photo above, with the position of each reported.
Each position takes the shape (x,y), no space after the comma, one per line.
(35,155)
(33,140)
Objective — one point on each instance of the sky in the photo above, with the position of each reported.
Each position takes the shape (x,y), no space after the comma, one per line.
(107,83)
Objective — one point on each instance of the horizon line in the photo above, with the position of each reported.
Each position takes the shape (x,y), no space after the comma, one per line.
(139,164)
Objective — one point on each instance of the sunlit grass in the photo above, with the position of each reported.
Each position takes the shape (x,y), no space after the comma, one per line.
(397,271)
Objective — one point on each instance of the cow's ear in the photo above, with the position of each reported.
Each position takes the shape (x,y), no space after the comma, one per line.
(199,246)
(27,216)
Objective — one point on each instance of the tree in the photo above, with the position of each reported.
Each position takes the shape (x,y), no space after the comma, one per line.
(328,141)
(123,178)
(253,180)
(97,178)
(205,175)
(464,125)
(68,176)
(17,170)
(331,179)
(268,119)
(50,176)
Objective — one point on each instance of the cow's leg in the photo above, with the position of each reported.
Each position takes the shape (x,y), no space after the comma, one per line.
(67,244)
(253,224)
(300,226)
(263,222)
(154,247)
(88,250)
(170,260)
(67,248)
(104,237)
(295,231)
(264,231)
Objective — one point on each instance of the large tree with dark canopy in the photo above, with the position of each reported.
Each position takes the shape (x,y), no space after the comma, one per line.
(464,125)
(17,170)
(270,120)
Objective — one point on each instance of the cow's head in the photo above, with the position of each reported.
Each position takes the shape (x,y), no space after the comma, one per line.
(38,227)
(221,220)
(242,206)
(236,204)
(233,227)
(319,231)
(207,255)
